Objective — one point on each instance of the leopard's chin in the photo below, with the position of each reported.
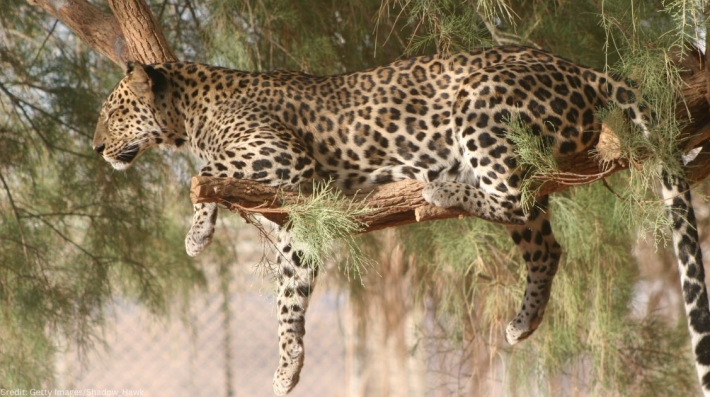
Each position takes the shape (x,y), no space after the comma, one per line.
(125,158)
(128,154)
(119,165)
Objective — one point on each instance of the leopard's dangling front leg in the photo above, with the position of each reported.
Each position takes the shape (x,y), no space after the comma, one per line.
(202,229)
(203,223)
(541,254)
(295,284)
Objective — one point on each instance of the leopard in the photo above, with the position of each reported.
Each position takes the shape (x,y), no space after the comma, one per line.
(441,119)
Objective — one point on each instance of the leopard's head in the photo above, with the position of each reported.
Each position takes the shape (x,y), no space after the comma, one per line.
(135,117)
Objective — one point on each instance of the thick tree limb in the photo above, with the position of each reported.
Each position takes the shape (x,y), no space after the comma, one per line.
(392,204)
(694,106)
(146,42)
(397,203)
(132,34)
(94,27)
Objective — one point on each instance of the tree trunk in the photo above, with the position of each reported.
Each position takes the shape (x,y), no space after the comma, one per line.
(132,34)
(99,30)
(145,39)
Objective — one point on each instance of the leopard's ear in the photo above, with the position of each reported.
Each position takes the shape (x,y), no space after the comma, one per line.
(129,66)
(144,80)
(138,80)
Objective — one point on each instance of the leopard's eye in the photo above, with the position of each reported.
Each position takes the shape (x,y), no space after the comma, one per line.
(110,113)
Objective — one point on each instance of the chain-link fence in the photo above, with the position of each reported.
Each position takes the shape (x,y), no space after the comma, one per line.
(226,345)
(218,350)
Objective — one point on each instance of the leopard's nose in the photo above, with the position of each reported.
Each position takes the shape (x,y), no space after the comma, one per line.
(99,148)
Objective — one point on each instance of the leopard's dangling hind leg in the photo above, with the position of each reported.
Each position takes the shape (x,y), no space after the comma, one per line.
(296,281)
(531,232)
(541,253)
(676,194)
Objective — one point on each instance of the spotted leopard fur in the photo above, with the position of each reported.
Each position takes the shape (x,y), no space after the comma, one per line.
(676,193)
(438,119)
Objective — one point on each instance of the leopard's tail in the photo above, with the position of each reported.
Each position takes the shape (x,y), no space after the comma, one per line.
(296,281)
(676,194)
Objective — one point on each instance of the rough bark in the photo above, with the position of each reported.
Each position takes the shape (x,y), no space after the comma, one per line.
(145,39)
(94,27)
(392,204)
(132,34)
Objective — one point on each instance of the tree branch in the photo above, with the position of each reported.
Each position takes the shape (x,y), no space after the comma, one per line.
(94,27)
(401,203)
(146,42)
(392,204)
(132,34)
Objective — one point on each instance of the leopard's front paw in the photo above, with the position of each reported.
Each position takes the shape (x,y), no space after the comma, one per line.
(513,334)
(288,374)
(522,326)
(198,238)
(200,234)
